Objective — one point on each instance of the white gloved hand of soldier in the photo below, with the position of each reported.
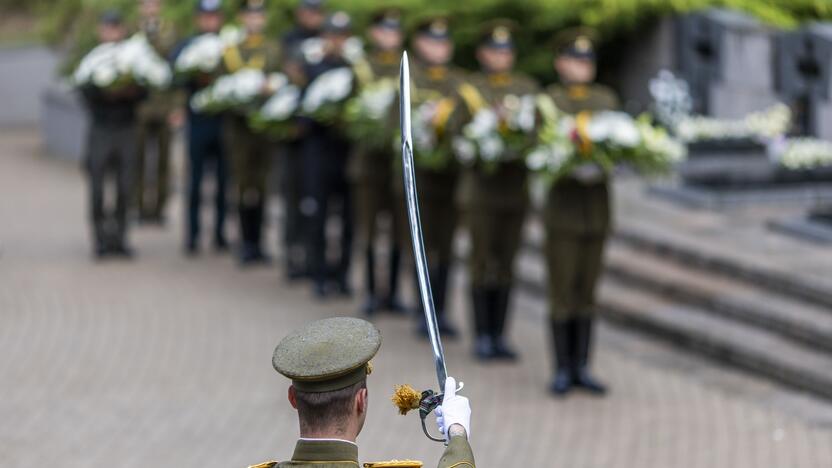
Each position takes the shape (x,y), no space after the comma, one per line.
(455,409)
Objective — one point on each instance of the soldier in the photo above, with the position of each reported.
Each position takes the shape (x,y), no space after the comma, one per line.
(309,19)
(205,143)
(324,158)
(328,362)
(111,149)
(577,219)
(154,121)
(495,200)
(250,152)
(435,79)
(371,168)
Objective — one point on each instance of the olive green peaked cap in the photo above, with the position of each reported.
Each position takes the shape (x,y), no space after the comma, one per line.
(327,355)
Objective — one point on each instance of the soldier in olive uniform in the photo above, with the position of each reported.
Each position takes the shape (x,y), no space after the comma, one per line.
(328,362)
(433,78)
(111,149)
(309,20)
(370,169)
(495,201)
(250,152)
(154,121)
(577,219)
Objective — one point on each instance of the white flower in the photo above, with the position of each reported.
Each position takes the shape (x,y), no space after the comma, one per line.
(491,148)
(763,125)
(201,54)
(464,150)
(353,50)
(330,87)
(283,104)
(231,35)
(104,76)
(484,123)
(805,153)
(616,128)
(537,159)
(375,101)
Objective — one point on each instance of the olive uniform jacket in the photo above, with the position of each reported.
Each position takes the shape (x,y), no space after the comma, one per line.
(505,188)
(365,165)
(342,454)
(162,37)
(575,207)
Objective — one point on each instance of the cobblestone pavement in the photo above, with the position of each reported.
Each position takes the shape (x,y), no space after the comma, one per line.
(166,362)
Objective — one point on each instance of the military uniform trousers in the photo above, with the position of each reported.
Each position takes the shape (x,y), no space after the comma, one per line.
(290,176)
(372,193)
(577,220)
(250,158)
(154,152)
(439,216)
(324,181)
(205,145)
(111,152)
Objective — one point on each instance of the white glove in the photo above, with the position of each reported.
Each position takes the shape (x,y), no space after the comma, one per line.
(455,409)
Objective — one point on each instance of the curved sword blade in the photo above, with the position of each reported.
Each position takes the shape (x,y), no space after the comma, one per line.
(409,175)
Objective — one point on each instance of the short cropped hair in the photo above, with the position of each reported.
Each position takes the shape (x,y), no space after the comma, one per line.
(326,410)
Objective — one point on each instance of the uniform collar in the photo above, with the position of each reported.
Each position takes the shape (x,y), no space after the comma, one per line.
(387,57)
(326,450)
(578,92)
(499,79)
(437,72)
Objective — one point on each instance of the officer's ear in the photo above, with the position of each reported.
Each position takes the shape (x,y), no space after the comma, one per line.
(361,397)
(293,397)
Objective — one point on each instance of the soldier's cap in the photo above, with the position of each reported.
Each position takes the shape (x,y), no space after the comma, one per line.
(209,6)
(327,355)
(498,34)
(253,6)
(576,42)
(338,23)
(388,18)
(434,27)
(311,4)
(111,17)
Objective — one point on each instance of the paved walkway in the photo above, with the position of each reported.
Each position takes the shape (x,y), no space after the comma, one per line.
(165,362)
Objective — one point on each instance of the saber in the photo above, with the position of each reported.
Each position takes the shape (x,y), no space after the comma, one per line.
(409,175)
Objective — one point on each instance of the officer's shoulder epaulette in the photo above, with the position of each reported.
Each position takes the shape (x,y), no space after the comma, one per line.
(268,464)
(395,464)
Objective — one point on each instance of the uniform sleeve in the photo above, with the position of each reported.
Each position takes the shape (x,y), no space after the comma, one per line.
(458,454)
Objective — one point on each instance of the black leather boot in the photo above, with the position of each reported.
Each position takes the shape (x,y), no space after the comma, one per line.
(483,344)
(561,343)
(499,314)
(582,332)
(370,306)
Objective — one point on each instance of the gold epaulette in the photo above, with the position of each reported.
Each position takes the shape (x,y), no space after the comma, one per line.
(395,464)
(472,97)
(268,464)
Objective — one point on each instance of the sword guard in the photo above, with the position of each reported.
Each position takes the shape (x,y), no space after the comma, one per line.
(429,402)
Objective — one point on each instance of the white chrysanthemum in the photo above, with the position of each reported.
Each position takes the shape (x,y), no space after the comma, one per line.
(275,81)
(616,128)
(283,104)
(484,123)
(491,148)
(805,153)
(203,53)
(231,35)
(104,76)
(375,101)
(537,160)
(104,55)
(465,150)
(330,87)
(353,50)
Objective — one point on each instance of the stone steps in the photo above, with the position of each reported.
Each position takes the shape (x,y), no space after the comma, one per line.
(760,321)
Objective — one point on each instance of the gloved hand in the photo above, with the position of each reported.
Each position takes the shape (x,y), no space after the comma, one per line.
(455,409)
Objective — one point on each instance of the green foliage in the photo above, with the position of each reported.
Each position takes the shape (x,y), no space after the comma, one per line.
(72,21)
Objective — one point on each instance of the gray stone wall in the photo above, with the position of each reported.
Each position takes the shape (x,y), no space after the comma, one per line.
(25,72)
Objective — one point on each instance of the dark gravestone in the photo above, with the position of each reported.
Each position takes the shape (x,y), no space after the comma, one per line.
(804,78)
(726,57)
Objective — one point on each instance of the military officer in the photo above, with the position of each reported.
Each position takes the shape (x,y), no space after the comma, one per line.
(111,149)
(204,137)
(154,121)
(435,79)
(250,152)
(325,151)
(577,219)
(494,201)
(309,20)
(370,168)
(328,362)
